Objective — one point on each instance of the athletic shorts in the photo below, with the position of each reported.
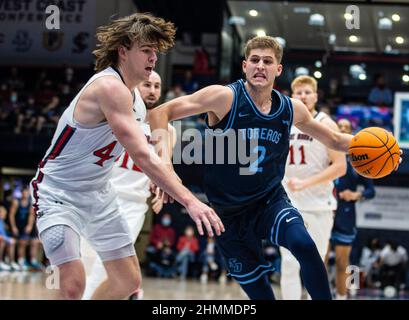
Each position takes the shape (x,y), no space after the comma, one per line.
(92,214)
(241,243)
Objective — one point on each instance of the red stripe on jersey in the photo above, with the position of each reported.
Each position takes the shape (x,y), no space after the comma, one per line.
(59,145)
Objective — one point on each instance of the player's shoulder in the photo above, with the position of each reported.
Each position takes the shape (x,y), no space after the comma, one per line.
(110,89)
(108,84)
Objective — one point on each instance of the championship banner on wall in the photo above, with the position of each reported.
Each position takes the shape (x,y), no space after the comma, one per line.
(28,33)
(388,210)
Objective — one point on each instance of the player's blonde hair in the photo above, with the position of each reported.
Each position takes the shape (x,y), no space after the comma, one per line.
(300,80)
(265,42)
(138,27)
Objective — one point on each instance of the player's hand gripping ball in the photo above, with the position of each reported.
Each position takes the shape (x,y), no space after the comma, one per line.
(374,153)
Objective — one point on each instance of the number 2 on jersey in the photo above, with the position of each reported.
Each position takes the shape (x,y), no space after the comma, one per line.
(292,161)
(255,165)
(105,153)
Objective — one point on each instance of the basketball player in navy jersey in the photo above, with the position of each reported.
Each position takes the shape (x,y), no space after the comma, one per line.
(344,229)
(249,198)
(71,191)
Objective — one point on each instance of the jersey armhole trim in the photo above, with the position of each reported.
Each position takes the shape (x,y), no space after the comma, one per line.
(230,121)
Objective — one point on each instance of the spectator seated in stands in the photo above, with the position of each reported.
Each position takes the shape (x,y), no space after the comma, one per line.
(162,261)
(187,247)
(380,95)
(393,265)
(161,233)
(175,92)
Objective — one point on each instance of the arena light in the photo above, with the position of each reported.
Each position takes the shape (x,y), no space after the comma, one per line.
(316,19)
(356,70)
(385,24)
(405,78)
(237,21)
(396,17)
(261,33)
(301,71)
(348,16)
(353,38)
(318,64)
(302,10)
(317,74)
(332,38)
(281,41)
(399,40)
(406,67)
(362,76)
(253,13)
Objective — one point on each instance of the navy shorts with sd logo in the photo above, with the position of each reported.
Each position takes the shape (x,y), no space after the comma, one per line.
(246,227)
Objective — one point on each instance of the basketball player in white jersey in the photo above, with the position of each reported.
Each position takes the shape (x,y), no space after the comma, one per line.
(310,169)
(131,184)
(71,190)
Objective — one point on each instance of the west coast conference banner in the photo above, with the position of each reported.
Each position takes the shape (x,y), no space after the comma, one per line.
(26,40)
(388,210)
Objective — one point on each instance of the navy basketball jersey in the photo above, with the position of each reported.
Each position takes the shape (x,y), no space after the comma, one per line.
(242,178)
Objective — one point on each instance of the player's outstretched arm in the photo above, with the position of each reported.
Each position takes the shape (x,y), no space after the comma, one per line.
(115,101)
(306,123)
(215,100)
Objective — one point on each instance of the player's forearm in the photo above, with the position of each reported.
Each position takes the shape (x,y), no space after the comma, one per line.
(331,173)
(158,121)
(163,177)
(341,141)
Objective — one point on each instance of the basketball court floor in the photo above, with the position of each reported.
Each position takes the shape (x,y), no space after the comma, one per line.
(32,286)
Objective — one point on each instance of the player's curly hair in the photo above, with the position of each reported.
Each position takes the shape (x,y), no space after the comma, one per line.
(125,31)
(265,42)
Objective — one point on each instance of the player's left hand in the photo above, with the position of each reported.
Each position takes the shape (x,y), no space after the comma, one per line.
(348,195)
(400,159)
(157,203)
(295,184)
(158,192)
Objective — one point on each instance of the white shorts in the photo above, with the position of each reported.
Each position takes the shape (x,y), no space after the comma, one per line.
(319,225)
(92,214)
(134,214)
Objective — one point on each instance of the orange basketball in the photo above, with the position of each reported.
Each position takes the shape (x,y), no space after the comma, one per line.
(374,153)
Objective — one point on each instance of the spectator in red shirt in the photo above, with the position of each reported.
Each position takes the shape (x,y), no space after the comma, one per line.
(187,247)
(163,231)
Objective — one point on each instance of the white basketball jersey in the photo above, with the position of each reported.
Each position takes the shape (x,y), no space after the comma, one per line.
(80,157)
(127,178)
(307,157)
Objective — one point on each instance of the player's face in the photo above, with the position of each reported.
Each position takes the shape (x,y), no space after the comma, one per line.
(261,67)
(150,90)
(306,94)
(344,126)
(141,59)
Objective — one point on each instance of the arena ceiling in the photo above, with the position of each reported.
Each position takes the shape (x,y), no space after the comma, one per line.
(290,20)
